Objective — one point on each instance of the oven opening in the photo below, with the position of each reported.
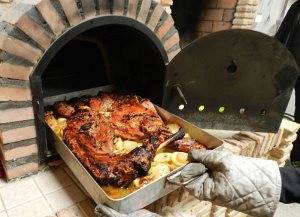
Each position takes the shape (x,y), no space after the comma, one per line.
(113,51)
(109,55)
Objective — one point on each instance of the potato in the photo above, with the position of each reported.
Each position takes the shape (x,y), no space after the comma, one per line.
(179,158)
(160,170)
(162,157)
(118,146)
(62,120)
(173,128)
(187,136)
(136,182)
(130,145)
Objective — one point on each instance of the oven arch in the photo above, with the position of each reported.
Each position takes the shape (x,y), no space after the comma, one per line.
(31,33)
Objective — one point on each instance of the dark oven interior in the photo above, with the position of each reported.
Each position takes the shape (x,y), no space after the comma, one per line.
(124,54)
(109,55)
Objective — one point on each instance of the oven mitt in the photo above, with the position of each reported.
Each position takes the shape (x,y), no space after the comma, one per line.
(248,185)
(104,211)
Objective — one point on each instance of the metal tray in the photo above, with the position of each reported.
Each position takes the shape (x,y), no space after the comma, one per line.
(143,196)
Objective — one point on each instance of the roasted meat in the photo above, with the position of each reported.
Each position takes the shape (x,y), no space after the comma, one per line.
(94,122)
(186,145)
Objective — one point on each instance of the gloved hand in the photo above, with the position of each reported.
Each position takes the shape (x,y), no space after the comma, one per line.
(104,211)
(248,185)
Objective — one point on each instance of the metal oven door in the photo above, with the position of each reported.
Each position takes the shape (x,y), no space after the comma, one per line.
(231,80)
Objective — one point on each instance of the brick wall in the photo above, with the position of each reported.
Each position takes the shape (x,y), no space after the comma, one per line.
(166,4)
(245,13)
(217,15)
(214,15)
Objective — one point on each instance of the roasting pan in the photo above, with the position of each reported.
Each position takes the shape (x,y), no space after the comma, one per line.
(143,196)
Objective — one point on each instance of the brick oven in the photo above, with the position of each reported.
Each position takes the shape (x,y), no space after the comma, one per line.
(49,47)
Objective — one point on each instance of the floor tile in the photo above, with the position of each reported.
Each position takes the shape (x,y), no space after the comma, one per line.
(73,211)
(52,180)
(65,197)
(35,208)
(3,214)
(73,177)
(19,192)
(3,182)
(88,207)
(1,206)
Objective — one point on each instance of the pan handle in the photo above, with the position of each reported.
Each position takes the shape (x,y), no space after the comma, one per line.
(176,179)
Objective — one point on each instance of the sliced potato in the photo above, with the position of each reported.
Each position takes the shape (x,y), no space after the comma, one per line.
(136,182)
(179,158)
(161,170)
(187,136)
(130,145)
(173,128)
(118,146)
(62,120)
(162,157)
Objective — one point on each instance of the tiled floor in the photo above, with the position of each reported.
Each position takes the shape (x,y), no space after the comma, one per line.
(55,193)
(44,194)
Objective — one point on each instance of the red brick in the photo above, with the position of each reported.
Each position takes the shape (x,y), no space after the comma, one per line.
(174,39)
(22,170)
(218,26)
(18,134)
(13,115)
(19,48)
(172,54)
(212,14)
(228,15)
(144,10)
(165,27)
(118,7)
(20,152)
(211,4)
(51,16)
(14,94)
(132,8)
(246,8)
(88,8)
(155,17)
(29,27)
(104,7)
(166,2)
(8,70)
(227,4)
(205,26)
(71,11)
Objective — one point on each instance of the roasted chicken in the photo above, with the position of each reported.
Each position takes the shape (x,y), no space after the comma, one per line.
(94,122)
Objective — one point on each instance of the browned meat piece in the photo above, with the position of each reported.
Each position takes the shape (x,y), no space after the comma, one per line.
(186,145)
(141,159)
(64,109)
